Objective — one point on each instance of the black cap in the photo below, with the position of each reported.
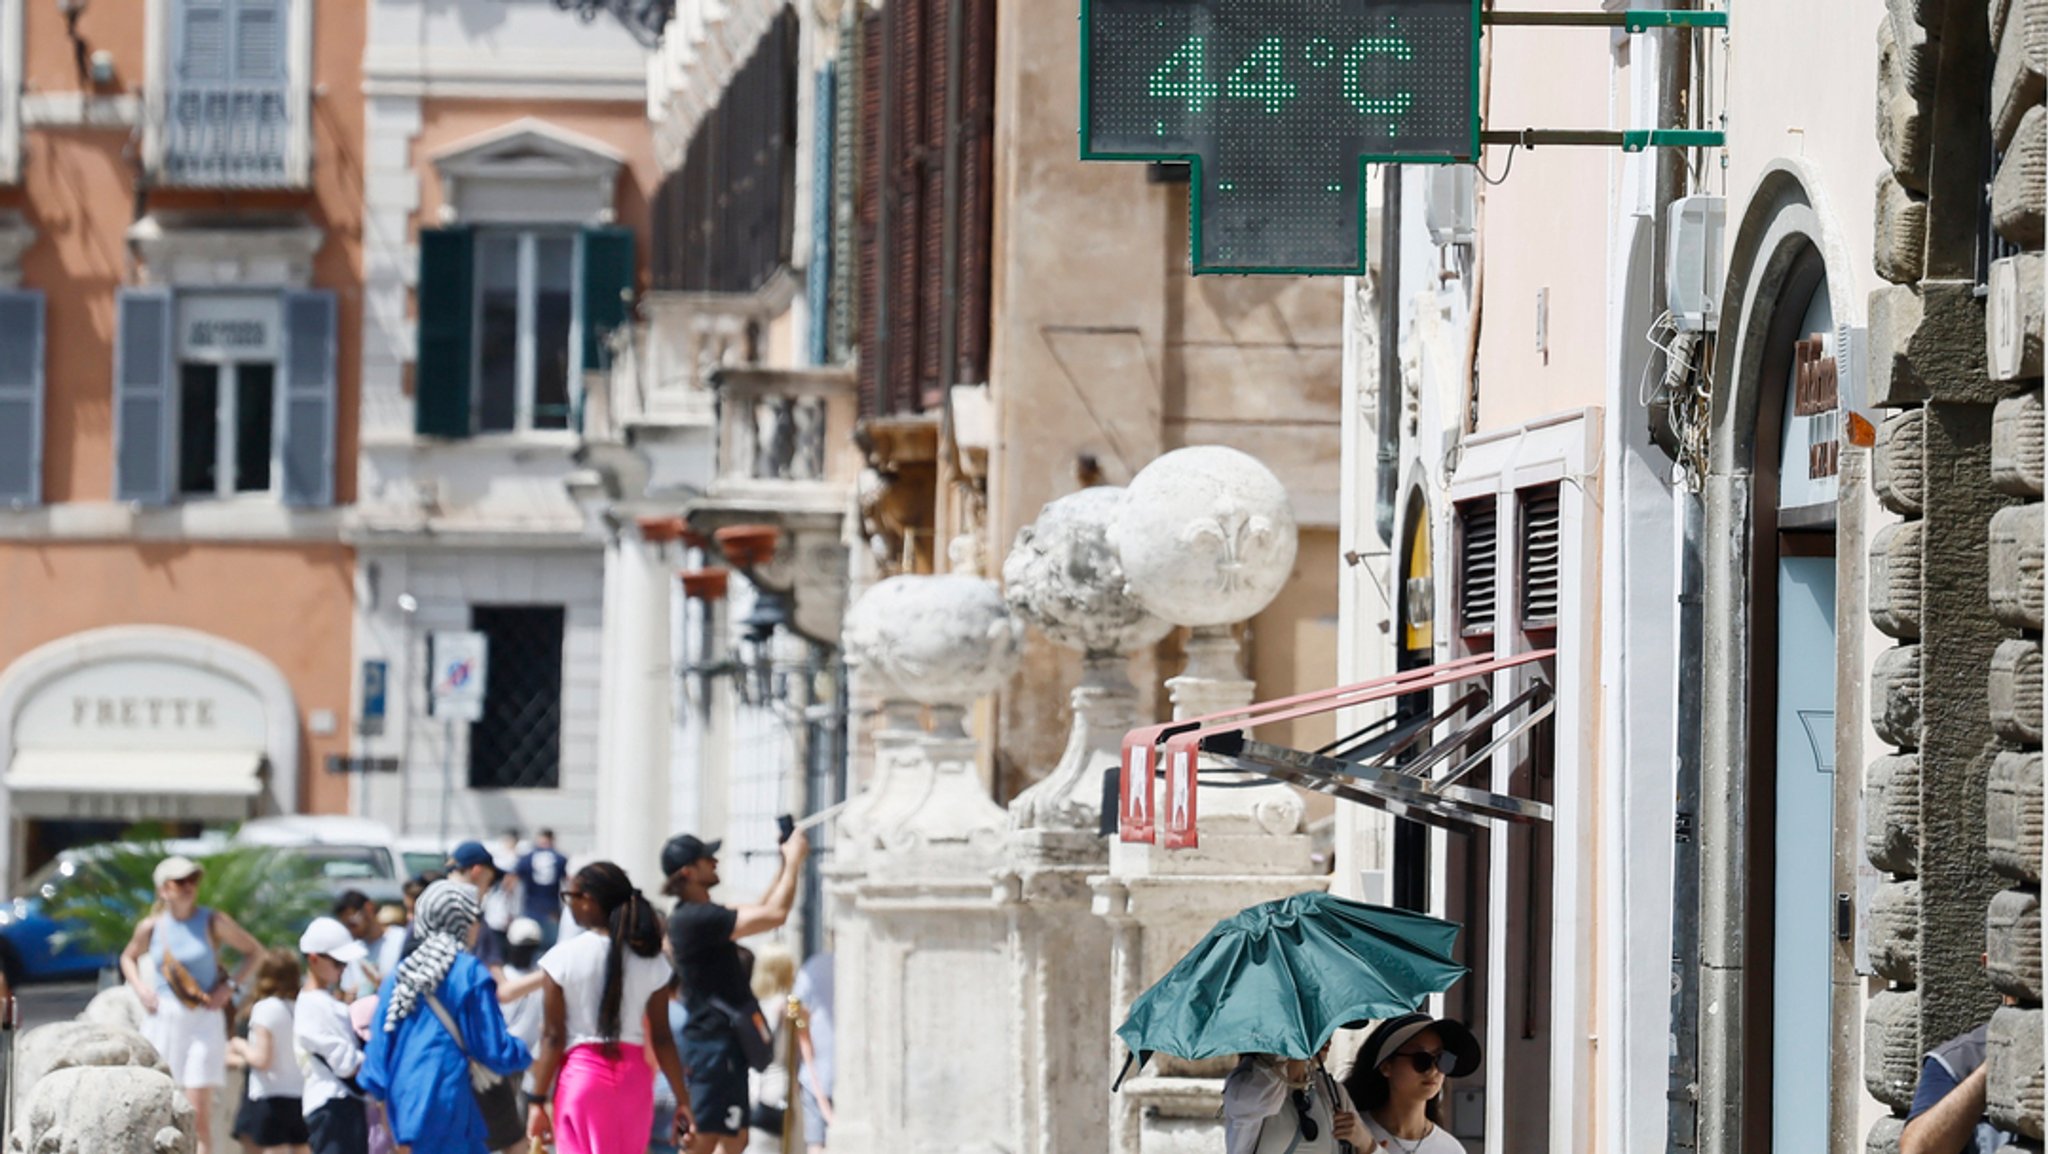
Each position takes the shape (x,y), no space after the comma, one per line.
(686,849)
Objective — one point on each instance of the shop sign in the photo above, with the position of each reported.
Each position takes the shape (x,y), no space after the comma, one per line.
(142,703)
(461,662)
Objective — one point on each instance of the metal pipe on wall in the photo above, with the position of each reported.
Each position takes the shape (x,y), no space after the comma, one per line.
(1390,354)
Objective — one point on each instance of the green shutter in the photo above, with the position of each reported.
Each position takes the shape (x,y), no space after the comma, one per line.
(608,272)
(447,308)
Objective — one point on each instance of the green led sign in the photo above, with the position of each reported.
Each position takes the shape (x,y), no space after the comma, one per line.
(1278,105)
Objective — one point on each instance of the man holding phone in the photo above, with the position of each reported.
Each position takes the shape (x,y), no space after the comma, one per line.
(704,939)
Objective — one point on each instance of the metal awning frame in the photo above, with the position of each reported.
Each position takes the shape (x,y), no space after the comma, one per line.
(1439,802)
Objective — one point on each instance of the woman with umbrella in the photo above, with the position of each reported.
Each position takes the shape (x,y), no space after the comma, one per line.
(1278,1105)
(1399,1078)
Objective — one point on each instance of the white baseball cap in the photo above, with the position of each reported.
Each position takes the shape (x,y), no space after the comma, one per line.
(176,868)
(330,938)
(525,932)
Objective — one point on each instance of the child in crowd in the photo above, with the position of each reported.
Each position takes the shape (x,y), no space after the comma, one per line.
(271,1118)
(334,1109)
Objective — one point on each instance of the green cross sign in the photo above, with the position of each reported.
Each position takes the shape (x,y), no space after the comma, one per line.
(1277,106)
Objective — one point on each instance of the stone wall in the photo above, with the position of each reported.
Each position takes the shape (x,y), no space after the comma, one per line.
(1953,813)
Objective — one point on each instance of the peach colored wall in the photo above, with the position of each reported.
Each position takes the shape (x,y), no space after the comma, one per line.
(1546,227)
(622,126)
(291,604)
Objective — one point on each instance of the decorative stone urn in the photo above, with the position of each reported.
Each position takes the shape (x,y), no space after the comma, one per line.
(925,1032)
(1063,576)
(1206,537)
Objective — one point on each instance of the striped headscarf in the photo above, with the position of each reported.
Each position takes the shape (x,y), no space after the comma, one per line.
(441,924)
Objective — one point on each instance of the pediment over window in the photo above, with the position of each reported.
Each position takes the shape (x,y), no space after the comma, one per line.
(529,171)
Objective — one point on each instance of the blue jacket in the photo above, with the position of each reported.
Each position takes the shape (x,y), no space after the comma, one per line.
(423,1076)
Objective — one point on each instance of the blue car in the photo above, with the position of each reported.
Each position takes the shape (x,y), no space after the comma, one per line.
(31,948)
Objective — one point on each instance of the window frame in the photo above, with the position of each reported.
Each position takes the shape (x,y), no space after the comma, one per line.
(499,671)
(525,385)
(227,402)
(160,47)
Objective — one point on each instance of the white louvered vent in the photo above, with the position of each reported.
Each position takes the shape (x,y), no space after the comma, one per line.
(1542,580)
(1478,568)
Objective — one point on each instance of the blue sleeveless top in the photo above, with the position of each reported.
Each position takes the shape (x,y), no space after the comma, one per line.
(188,942)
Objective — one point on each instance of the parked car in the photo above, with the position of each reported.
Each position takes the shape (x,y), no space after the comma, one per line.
(35,947)
(423,856)
(348,853)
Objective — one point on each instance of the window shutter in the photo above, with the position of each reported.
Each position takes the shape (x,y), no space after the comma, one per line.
(447,308)
(1541,576)
(869,190)
(259,42)
(608,282)
(1478,567)
(144,396)
(21,398)
(818,277)
(202,41)
(309,400)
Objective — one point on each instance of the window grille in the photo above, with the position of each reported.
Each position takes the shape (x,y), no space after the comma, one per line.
(518,743)
(1478,567)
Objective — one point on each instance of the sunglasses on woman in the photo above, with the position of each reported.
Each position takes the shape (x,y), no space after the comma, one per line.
(1304,1111)
(1425,1060)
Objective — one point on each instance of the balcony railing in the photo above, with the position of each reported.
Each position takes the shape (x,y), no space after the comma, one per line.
(785,433)
(228,136)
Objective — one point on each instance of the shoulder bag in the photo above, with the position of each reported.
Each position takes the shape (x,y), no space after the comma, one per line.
(497,1096)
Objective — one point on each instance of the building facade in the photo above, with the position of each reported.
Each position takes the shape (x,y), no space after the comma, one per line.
(180,230)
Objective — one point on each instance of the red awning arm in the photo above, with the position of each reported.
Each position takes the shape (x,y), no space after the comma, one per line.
(1136,821)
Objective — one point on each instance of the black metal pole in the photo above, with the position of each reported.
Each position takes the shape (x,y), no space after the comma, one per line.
(1390,353)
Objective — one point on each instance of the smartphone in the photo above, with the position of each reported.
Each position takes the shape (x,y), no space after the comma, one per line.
(785,826)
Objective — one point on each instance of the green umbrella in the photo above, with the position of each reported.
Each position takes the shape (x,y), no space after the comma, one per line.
(1281,977)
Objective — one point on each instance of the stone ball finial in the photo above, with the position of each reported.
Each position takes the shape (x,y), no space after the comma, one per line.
(1063,576)
(941,640)
(1206,536)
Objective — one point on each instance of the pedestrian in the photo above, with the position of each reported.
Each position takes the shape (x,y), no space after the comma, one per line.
(336,1118)
(519,994)
(1274,1104)
(704,939)
(1398,1080)
(173,964)
(272,1117)
(601,990)
(816,1041)
(382,944)
(1948,1103)
(436,1015)
(471,862)
(540,874)
(414,887)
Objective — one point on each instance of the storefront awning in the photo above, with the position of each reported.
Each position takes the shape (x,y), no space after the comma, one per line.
(134,784)
(1409,790)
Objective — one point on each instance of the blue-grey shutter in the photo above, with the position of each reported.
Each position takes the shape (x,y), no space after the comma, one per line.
(259,42)
(21,398)
(144,396)
(818,277)
(309,398)
(202,41)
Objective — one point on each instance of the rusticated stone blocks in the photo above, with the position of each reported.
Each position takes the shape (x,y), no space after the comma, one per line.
(2013,1083)
(1891,813)
(2014,319)
(1898,470)
(1884,1136)
(2012,815)
(2016,691)
(1902,123)
(1895,578)
(1901,232)
(1891,1047)
(2019,193)
(1927,343)
(2016,445)
(2012,944)
(2016,566)
(2016,80)
(1919,53)
(1895,931)
(1895,696)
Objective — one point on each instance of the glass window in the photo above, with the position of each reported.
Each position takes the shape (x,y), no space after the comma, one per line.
(526,355)
(198,429)
(255,421)
(227,428)
(518,744)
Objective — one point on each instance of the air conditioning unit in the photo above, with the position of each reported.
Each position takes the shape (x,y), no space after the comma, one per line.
(1692,270)
(1453,206)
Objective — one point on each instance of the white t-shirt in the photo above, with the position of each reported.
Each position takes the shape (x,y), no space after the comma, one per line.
(1437,1141)
(1259,1116)
(523,1017)
(332,1051)
(578,967)
(280,1079)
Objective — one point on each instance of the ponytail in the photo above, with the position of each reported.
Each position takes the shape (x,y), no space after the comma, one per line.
(633,925)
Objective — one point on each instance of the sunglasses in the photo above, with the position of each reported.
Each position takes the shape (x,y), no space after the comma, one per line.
(1304,1112)
(570,896)
(1426,1060)
(186,882)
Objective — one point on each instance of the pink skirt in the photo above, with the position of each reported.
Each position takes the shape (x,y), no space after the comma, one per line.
(603,1104)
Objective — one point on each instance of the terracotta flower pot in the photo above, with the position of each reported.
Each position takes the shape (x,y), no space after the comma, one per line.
(661,530)
(704,584)
(747,546)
